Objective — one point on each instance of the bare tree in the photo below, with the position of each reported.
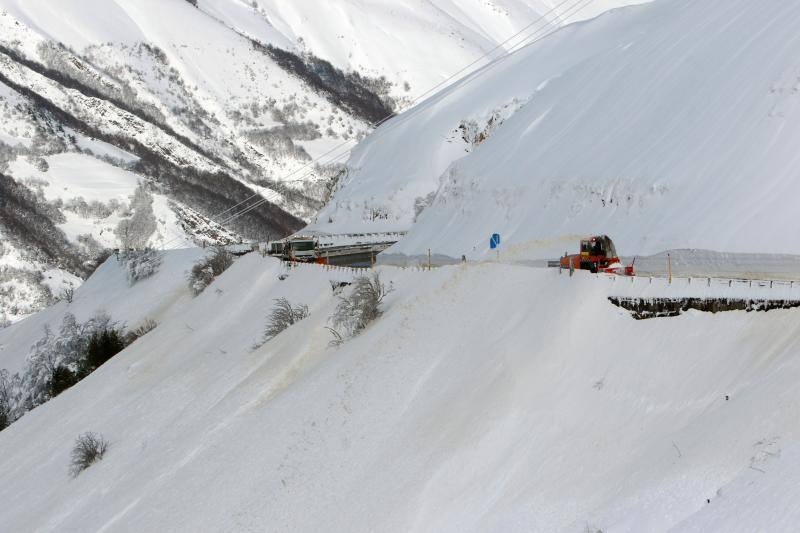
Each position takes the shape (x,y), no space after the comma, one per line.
(67,294)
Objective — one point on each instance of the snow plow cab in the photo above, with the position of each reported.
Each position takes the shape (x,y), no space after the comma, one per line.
(294,249)
(302,249)
(597,254)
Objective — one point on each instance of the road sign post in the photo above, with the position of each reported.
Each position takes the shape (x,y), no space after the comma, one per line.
(494,243)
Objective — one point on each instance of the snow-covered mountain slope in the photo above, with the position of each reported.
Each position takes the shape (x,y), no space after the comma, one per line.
(213,104)
(395,39)
(484,399)
(669,125)
(487,396)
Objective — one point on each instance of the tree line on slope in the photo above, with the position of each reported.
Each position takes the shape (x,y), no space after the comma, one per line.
(58,361)
(357,94)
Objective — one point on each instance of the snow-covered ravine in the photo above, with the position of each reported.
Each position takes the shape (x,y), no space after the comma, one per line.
(488,397)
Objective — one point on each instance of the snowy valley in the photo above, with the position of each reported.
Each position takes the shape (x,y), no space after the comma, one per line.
(454,385)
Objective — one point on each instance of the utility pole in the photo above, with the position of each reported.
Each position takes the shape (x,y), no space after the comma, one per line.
(669,267)
(429,258)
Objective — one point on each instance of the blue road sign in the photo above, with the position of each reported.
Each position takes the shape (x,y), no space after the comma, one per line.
(494,241)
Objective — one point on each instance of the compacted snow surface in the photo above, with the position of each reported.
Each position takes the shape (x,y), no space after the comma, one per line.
(487,397)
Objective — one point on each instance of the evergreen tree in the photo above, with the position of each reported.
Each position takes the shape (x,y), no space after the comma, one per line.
(103,345)
(62,379)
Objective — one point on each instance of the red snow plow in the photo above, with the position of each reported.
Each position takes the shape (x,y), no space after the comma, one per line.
(597,254)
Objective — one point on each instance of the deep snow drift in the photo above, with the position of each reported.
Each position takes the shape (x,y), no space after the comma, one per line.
(484,399)
(669,125)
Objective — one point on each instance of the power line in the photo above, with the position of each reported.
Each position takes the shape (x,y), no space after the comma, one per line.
(401,119)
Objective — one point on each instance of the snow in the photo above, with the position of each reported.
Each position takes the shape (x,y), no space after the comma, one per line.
(350,34)
(483,399)
(103,149)
(395,39)
(489,396)
(701,263)
(72,174)
(659,142)
(12,140)
(51,19)
(683,286)
(57,280)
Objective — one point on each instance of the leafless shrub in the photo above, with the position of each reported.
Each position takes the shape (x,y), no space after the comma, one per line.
(147,325)
(362,305)
(40,163)
(89,448)
(283,315)
(204,271)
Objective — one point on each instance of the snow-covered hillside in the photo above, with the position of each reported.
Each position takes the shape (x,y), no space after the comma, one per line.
(488,395)
(669,125)
(214,105)
(484,399)
(395,39)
